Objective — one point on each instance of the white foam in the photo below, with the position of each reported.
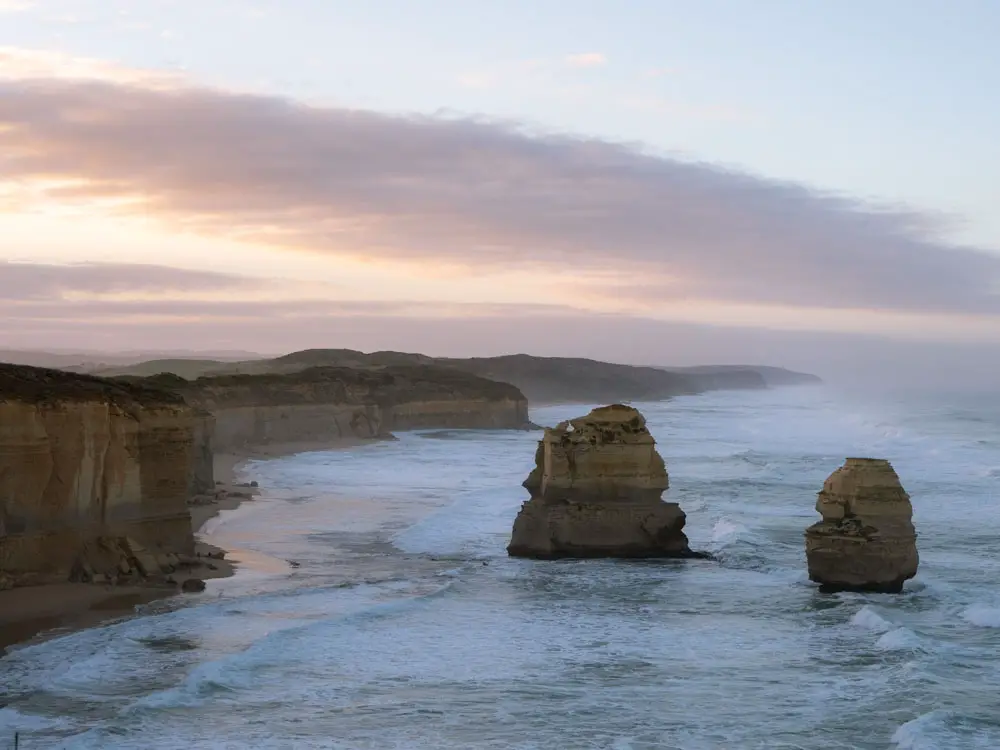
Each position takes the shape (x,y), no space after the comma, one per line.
(869,619)
(302,639)
(12,720)
(898,639)
(982,615)
(935,730)
(474,524)
(912,734)
(726,532)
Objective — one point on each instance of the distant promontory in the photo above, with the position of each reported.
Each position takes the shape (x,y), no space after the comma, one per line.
(540,379)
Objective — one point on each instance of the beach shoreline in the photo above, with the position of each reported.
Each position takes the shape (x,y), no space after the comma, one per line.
(34,613)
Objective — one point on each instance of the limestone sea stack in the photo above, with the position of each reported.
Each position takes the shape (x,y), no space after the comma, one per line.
(866,540)
(596,492)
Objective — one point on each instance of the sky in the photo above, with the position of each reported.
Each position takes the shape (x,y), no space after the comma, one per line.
(668,182)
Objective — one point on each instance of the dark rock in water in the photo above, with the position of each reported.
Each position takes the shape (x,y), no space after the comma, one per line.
(866,540)
(596,492)
(193,586)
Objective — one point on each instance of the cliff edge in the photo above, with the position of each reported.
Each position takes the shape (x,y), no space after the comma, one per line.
(333,403)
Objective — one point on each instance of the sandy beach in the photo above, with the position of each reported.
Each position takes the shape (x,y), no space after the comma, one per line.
(40,612)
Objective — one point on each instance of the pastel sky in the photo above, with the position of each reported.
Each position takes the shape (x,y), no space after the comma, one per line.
(661,181)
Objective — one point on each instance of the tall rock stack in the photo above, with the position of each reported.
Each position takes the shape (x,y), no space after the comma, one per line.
(596,492)
(866,540)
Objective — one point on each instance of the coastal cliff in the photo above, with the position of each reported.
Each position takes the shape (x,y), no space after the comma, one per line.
(96,474)
(745,377)
(541,379)
(84,459)
(333,403)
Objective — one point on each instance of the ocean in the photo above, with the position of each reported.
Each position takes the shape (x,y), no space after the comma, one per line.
(405,625)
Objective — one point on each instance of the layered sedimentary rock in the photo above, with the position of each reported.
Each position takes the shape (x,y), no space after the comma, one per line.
(596,492)
(202,479)
(83,459)
(866,540)
(331,403)
(470,413)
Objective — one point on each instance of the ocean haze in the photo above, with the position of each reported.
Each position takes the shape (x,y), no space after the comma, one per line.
(875,363)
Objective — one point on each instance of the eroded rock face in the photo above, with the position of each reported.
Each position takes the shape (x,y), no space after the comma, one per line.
(83,459)
(596,492)
(866,540)
(333,403)
(202,455)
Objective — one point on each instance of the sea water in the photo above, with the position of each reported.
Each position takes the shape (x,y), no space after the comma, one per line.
(405,625)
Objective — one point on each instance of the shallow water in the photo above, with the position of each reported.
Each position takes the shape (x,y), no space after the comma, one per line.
(406,626)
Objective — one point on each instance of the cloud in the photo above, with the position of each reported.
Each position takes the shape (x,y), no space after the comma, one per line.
(658,72)
(680,109)
(479,195)
(24,64)
(15,6)
(511,72)
(47,283)
(479,80)
(132,293)
(586,60)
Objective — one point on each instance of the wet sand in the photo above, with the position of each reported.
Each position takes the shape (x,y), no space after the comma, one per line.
(41,612)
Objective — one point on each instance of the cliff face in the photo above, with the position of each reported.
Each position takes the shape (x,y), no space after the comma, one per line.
(202,479)
(541,379)
(330,403)
(83,458)
(723,378)
(866,540)
(560,379)
(468,414)
(596,492)
(741,377)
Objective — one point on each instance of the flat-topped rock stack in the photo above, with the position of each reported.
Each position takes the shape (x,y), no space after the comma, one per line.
(866,540)
(596,492)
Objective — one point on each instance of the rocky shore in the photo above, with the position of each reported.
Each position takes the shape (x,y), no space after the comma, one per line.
(58,607)
(45,611)
(104,482)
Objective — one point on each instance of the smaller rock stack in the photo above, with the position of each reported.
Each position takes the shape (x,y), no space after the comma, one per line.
(595,492)
(866,540)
